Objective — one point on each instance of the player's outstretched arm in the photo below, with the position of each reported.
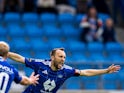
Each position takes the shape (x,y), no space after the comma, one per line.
(33,79)
(16,57)
(92,72)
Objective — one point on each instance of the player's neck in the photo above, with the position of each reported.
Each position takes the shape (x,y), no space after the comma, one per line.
(53,67)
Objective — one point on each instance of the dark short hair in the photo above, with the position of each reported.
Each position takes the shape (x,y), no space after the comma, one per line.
(52,53)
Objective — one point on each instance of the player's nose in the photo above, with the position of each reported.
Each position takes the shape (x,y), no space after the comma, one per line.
(63,59)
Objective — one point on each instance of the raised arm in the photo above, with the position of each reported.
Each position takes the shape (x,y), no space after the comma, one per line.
(33,79)
(16,57)
(93,72)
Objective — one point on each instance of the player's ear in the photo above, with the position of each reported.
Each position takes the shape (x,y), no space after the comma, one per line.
(52,57)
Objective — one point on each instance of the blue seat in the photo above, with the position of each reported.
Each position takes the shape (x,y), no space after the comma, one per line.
(42,55)
(33,31)
(121,77)
(48,19)
(3,38)
(20,44)
(30,18)
(110,85)
(28,71)
(76,46)
(79,17)
(86,66)
(73,83)
(79,57)
(1,18)
(52,31)
(11,17)
(98,58)
(91,85)
(110,81)
(70,32)
(103,17)
(3,31)
(110,77)
(25,53)
(55,43)
(90,79)
(66,19)
(14,30)
(38,45)
(116,58)
(95,48)
(113,48)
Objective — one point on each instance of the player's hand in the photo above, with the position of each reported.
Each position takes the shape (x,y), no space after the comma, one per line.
(113,68)
(34,78)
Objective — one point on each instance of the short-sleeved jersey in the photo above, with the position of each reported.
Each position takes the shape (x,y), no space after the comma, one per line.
(8,74)
(50,81)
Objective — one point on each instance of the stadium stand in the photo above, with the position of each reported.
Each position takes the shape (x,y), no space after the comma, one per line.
(12,18)
(54,28)
(48,19)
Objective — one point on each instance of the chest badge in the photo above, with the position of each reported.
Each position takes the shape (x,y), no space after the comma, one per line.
(45,72)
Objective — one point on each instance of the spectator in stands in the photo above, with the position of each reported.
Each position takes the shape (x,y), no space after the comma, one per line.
(63,6)
(81,6)
(101,6)
(8,73)
(46,6)
(91,26)
(108,34)
(118,6)
(54,72)
(29,5)
(12,5)
(1,6)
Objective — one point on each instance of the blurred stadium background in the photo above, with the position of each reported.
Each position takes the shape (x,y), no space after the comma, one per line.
(33,35)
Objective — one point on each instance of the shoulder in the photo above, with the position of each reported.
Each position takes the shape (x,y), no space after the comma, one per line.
(42,61)
(67,67)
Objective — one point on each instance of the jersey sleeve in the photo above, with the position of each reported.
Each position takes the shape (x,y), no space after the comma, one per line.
(17,78)
(33,63)
(69,71)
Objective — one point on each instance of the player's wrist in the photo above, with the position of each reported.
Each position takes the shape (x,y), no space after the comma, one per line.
(30,81)
(107,70)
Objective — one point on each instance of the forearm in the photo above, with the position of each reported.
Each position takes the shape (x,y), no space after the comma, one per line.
(16,57)
(25,81)
(93,72)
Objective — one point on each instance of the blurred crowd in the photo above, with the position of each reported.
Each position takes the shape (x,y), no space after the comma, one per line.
(55,6)
(93,28)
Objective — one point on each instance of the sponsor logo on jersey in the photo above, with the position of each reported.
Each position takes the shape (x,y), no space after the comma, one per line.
(45,72)
(5,68)
(60,76)
(49,85)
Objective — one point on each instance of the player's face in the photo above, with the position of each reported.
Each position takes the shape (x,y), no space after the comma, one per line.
(59,59)
(93,12)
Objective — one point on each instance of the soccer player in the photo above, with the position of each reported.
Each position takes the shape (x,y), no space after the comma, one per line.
(8,73)
(54,72)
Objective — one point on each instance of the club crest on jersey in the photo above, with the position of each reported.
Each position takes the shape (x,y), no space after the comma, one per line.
(60,76)
(45,72)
